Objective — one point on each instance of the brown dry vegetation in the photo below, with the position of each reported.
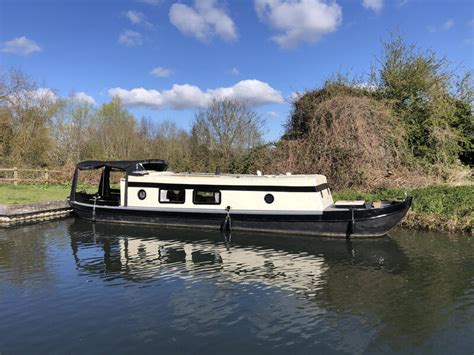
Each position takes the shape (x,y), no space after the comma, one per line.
(354,140)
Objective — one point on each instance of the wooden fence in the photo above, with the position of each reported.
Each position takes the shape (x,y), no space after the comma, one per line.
(33,175)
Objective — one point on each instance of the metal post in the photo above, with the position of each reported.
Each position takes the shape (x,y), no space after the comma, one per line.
(15,176)
(125,199)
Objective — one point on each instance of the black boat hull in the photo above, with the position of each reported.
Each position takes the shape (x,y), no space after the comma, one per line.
(358,223)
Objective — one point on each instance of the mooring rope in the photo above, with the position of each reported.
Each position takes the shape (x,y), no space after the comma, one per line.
(93,210)
(352,221)
(227,223)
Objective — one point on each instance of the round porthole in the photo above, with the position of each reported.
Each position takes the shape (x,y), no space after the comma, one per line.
(142,194)
(269,198)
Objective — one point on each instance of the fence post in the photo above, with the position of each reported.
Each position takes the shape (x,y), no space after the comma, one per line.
(15,176)
(46,175)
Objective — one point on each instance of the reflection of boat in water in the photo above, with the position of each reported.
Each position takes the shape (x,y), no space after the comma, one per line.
(143,253)
(294,204)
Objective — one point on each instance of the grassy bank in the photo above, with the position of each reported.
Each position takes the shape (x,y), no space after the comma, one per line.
(20,194)
(447,208)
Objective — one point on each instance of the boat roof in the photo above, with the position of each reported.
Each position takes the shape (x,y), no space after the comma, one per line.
(227,179)
(125,165)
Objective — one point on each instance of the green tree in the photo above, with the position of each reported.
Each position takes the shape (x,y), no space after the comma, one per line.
(114,133)
(432,101)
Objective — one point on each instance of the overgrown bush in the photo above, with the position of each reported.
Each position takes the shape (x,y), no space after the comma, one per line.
(411,123)
(348,135)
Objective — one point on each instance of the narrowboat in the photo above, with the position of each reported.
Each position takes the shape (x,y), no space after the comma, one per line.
(144,192)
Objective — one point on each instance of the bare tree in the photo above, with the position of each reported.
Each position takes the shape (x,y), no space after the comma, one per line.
(72,130)
(26,115)
(225,131)
(173,144)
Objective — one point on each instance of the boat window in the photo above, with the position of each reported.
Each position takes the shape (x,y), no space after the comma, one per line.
(88,181)
(115,177)
(87,185)
(172,196)
(269,198)
(206,197)
(141,194)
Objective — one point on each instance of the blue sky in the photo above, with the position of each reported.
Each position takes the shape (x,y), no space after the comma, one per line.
(168,58)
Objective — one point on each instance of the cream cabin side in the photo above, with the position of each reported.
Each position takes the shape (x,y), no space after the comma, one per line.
(268,193)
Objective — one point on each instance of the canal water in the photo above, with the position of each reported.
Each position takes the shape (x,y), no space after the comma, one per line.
(74,287)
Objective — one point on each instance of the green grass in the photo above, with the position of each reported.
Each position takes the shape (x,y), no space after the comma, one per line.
(435,207)
(20,194)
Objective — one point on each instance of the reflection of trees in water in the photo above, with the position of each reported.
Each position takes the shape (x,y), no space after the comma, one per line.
(409,284)
(24,251)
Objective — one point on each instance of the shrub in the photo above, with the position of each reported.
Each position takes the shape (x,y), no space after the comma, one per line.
(346,134)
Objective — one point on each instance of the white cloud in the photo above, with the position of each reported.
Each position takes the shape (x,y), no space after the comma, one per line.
(448,24)
(82,96)
(295,95)
(151,2)
(21,45)
(235,71)
(469,41)
(135,17)
(374,5)
(138,18)
(43,94)
(187,96)
(161,72)
(130,38)
(204,20)
(272,114)
(299,20)
(33,97)
(470,24)
(366,86)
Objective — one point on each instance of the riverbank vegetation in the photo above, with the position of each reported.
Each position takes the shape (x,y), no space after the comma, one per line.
(408,124)
(441,207)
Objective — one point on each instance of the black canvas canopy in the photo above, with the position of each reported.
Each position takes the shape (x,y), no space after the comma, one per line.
(124,165)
